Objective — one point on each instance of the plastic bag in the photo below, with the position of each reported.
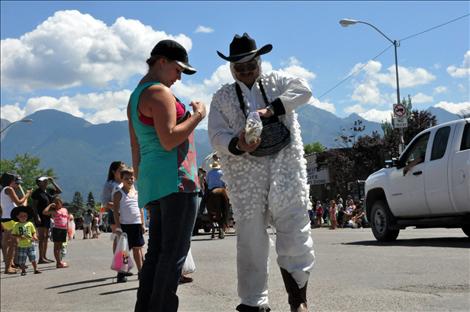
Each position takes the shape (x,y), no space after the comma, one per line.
(71,230)
(189,266)
(253,127)
(122,262)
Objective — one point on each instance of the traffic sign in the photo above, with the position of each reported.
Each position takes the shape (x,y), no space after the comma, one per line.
(400,122)
(399,110)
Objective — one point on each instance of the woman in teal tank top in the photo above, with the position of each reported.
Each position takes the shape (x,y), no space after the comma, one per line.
(164,160)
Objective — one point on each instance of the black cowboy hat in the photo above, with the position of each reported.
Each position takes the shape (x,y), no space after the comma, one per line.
(244,46)
(14,213)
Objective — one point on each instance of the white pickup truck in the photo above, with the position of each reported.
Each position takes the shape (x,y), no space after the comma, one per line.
(428,186)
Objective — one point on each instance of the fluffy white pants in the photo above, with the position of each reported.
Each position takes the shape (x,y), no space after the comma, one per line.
(270,190)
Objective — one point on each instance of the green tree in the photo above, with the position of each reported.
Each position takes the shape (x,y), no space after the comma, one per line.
(347,137)
(90,203)
(27,166)
(363,155)
(76,206)
(417,122)
(315,147)
(368,155)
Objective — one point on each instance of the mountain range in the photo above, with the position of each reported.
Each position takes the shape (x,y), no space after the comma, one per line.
(80,152)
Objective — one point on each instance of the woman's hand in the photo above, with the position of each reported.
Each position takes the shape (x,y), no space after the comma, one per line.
(242,145)
(199,108)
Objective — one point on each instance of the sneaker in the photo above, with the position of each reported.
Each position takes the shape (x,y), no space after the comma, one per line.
(128,273)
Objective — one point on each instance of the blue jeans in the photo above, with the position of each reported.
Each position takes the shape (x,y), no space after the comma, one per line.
(171,224)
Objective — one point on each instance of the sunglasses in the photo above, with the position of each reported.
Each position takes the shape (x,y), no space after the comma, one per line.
(246,67)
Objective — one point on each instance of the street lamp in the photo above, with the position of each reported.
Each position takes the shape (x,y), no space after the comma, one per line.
(25,120)
(345,22)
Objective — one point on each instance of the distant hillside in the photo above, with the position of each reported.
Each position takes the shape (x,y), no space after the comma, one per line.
(442,115)
(80,152)
(3,124)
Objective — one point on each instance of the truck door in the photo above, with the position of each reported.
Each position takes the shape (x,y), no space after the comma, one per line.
(460,170)
(436,179)
(407,197)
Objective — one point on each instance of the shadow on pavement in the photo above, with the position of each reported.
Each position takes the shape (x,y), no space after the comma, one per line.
(117,291)
(83,282)
(87,287)
(450,242)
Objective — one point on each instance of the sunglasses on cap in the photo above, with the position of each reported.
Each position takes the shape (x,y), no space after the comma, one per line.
(246,67)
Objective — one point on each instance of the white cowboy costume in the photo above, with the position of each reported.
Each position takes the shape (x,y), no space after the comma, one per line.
(268,189)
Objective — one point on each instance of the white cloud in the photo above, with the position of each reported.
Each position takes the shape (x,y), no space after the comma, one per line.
(12,112)
(204,29)
(369,78)
(377,115)
(323,105)
(440,89)
(461,72)
(72,49)
(295,69)
(409,77)
(367,92)
(421,98)
(371,114)
(357,109)
(454,108)
(94,107)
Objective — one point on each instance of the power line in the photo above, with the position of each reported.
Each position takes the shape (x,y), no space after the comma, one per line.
(435,27)
(406,38)
(355,72)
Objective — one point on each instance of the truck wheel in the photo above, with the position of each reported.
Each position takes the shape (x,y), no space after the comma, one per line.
(466,230)
(381,222)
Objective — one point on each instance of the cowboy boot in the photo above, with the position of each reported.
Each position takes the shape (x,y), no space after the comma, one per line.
(297,297)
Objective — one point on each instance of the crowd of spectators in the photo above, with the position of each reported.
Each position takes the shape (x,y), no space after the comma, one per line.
(337,213)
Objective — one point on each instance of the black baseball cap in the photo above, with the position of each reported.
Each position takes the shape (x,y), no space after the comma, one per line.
(175,52)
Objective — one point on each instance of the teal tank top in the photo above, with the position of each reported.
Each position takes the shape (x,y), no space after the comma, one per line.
(161,172)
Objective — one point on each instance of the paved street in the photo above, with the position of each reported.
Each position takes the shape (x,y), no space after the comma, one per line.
(425,270)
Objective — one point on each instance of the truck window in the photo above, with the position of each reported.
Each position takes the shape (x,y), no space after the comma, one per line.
(465,145)
(440,143)
(417,153)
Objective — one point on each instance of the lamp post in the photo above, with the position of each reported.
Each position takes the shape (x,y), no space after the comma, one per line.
(25,120)
(345,23)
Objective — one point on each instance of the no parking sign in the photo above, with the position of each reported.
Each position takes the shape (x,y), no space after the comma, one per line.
(399,116)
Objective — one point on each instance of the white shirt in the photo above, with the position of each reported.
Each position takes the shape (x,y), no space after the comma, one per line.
(7,203)
(129,211)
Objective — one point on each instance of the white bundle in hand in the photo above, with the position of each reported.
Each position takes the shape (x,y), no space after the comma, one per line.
(253,127)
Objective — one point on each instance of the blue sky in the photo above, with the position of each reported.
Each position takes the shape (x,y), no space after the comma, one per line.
(86,57)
